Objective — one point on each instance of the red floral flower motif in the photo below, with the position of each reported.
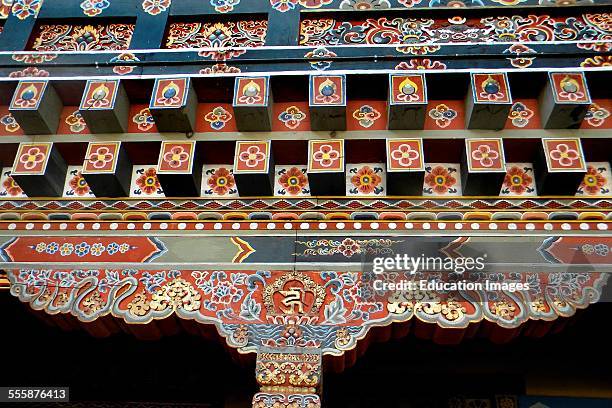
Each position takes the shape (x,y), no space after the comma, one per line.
(485,155)
(326,155)
(155,7)
(34,58)
(221,181)
(123,69)
(405,155)
(366,180)
(224,292)
(564,155)
(283,5)
(293,180)
(520,60)
(349,247)
(314,3)
(252,156)
(593,181)
(517,180)
(440,179)
(420,63)
(31,158)
(11,187)
(79,185)
(148,182)
(176,157)
(409,3)
(220,69)
(23,9)
(100,157)
(29,72)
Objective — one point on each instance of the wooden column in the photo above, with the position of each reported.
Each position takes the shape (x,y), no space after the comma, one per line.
(488,101)
(405,167)
(326,171)
(254,168)
(564,100)
(407,103)
(253,104)
(327,100)
(36,107)
(179,170)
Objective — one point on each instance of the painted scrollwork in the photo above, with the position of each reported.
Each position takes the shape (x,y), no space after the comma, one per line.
(326,310)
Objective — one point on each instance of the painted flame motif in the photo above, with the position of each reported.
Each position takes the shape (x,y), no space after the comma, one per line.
(169,95)
(569,85)
(327,84)
(29,92)
(408,87)
(490,85)
(100,92)
(327,92)
(251,89)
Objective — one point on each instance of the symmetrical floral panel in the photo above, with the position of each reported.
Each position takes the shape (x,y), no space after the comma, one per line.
(218,36)
(406,31)
(72,37)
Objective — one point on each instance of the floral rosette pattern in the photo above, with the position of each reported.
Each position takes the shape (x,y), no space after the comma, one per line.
(219,39)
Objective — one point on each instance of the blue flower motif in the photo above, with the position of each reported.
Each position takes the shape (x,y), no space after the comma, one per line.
(82,249)
(52,248)
(112,248)
(66,249)
(97,249)
(601,249)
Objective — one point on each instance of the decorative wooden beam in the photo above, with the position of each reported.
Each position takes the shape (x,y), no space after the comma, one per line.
(407,103)
(488,101)
(107,169)
(560,166)
(253,104)
(173,105)
(39,169)
(254,168)
(36,107)
(326,171)
(405,167)
(105,106)
(564,101)
(327,100)
(483,167)
(178,170)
